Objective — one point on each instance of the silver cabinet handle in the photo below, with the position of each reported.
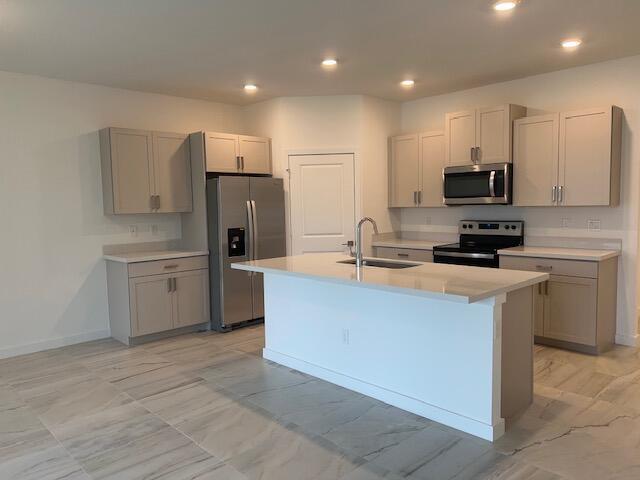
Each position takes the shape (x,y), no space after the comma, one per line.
(546,287)
(157,202)
(152,202)
(238,162)
(561,194)
(477,154)
(540,288)
(242,162)
(553,193)
(171,265)
(419,197)
(403,254)
(168,285)
(472,154)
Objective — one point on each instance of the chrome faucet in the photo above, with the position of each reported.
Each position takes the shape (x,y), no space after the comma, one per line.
(359,237)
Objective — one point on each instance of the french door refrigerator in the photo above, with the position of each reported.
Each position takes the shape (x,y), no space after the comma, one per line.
(246,221)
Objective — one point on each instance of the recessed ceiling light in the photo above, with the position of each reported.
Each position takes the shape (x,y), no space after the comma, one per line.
(505,5)
(250,87)
(573,43)
(329,62)
(408,83)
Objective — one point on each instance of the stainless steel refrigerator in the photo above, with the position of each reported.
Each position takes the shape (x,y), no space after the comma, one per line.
(246,221)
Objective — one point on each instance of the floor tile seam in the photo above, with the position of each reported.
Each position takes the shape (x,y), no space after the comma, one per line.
(72,457)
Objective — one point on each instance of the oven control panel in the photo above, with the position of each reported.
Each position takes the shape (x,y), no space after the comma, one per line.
(513,228)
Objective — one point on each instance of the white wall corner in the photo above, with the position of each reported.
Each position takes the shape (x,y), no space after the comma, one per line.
(628,340)
(53,343)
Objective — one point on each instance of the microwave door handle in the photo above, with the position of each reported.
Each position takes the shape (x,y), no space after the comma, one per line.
(492,183)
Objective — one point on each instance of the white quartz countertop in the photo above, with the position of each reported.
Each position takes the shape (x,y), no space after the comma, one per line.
(134,257)
(561,253)
(455,283)
(407,243)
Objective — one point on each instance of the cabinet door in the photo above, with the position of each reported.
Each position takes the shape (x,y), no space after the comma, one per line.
(151,306)
(255,153)
(221,151)
(404,171)
(460,137)
(191,298)
(172,172)
(132,170)
(571,309)
(535,156)
(493,134)
(585,157)
(431,165)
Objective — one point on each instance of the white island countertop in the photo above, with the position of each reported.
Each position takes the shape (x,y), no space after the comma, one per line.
(134,257)
(583,254)
(456,283)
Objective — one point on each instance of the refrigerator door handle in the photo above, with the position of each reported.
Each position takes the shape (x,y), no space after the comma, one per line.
(254,239)
(250,236)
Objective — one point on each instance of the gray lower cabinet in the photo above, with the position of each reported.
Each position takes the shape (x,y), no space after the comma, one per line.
(147,298)
(576,307)
(412,254)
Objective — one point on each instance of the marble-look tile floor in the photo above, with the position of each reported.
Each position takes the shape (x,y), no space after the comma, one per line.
(207,406)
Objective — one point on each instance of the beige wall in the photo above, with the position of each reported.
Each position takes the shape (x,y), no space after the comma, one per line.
(52,278)
(349,123)
(614,82)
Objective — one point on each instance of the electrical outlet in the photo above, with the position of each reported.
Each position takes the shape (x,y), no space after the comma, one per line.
(345,336)
(593,225)
(566,222)
(133,230)
(154,230)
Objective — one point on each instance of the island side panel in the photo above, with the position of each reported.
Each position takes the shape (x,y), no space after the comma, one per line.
(436,358)
(517,352)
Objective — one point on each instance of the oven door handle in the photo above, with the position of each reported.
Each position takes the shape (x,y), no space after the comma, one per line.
(489,256)
(492,183)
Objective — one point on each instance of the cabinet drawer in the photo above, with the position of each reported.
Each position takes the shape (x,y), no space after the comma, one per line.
(572,268)
(172,265)
(405,254)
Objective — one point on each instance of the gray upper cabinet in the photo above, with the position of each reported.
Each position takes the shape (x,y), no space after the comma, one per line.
(535,156)
(568,159)
(172,172)
(230,153)
(145,172)
(127,170)
(404,171)
(482,135)
(255,154)
(415,170)
(589,163)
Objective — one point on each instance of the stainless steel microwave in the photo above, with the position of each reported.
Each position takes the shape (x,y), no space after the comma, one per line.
(477,184)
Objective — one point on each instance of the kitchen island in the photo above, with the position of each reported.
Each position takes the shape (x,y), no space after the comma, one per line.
(450,343)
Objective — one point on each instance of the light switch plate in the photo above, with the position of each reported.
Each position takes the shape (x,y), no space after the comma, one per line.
(593,225)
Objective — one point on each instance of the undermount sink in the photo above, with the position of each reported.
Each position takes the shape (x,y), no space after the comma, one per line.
(369,262)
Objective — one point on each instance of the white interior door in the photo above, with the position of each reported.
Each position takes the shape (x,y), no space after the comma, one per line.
(322,202)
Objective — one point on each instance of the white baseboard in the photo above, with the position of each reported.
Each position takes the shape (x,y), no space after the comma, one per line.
(466,424)
(53,343)
(628,340)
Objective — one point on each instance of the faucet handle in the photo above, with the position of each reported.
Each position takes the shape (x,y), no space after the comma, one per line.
(350,245)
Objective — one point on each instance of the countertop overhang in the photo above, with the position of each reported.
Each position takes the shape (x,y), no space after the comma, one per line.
(455,283)
(135,257)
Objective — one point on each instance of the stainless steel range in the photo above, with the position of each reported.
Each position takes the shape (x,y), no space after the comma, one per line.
(479,243)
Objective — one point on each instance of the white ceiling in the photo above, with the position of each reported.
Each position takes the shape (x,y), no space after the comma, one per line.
(209,48)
